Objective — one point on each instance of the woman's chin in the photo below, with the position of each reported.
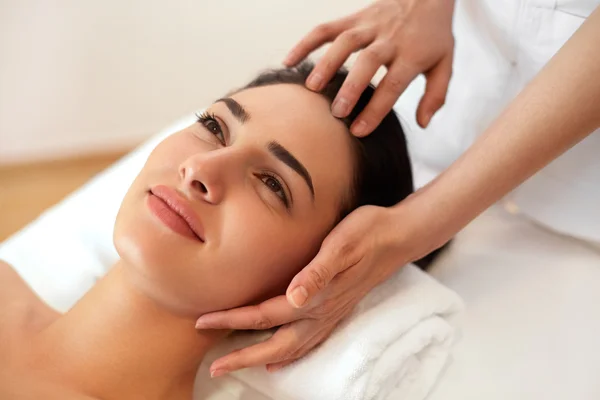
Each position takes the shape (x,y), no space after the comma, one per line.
(141,240)
(159,267)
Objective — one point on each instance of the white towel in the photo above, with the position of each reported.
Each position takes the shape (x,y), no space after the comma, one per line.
(393,346)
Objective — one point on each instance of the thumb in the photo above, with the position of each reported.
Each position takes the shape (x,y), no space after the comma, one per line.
(316,276)
(438,79)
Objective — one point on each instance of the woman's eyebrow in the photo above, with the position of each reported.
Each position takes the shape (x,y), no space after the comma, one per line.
(275,148)
(288,158)
(238,111)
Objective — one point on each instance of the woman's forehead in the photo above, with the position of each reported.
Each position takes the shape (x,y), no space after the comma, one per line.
(289,111)
(302,122)
(291,101)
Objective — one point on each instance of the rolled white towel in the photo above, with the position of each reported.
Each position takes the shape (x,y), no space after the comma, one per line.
(393,346)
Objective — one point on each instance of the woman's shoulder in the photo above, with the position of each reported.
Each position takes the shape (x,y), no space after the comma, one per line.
(23,313)
(20,307)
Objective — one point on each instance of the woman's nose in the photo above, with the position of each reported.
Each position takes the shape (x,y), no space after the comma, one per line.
(202,178)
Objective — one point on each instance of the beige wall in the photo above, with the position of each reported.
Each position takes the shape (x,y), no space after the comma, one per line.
(80,76)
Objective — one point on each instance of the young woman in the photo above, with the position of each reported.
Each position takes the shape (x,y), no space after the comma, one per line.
(224,213)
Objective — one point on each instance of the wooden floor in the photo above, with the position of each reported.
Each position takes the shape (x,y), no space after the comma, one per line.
(27,190)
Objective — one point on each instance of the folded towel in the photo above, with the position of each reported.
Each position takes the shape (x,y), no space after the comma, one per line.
(393,346)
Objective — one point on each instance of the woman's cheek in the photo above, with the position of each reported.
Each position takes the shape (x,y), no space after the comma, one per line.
(264,259)
(283,255)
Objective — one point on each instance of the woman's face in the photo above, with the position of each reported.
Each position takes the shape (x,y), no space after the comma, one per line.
(228,210)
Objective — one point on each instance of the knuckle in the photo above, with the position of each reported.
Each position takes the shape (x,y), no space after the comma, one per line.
(327,306)
(339,248)
(319,277)
(370,31)
(375,54)
(353,37)
(262,321)
(322,311)
(393,84)
(322,30)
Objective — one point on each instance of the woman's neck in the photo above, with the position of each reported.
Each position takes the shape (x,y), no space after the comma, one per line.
(117,343)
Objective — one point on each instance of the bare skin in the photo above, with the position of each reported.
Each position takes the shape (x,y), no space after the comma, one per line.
(115,343)
(257,219)
(24,315)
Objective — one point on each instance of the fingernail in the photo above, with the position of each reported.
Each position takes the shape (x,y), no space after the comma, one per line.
(340,107)
(315,81)
(359,128)
(217,372)
(299,296)
(200,324)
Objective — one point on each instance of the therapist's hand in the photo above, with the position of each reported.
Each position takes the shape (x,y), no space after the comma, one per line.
(361,252)
(409,37)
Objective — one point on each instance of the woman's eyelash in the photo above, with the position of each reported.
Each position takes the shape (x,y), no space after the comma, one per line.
(210,122)
(273,184)
(271,181)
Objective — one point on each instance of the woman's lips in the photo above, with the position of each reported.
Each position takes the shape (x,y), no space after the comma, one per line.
(174,211)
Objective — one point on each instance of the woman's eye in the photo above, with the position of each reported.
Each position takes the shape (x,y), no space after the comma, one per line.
(276,187)
(212,125)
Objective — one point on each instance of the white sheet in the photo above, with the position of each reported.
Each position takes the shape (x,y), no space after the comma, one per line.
(533,323)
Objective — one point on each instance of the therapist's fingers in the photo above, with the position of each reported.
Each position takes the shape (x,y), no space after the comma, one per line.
(337,253)
(273,312)
(436,89)
(387,93)
(281,346)
(301,352)
(320,35)
(368,62)
(343,46)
